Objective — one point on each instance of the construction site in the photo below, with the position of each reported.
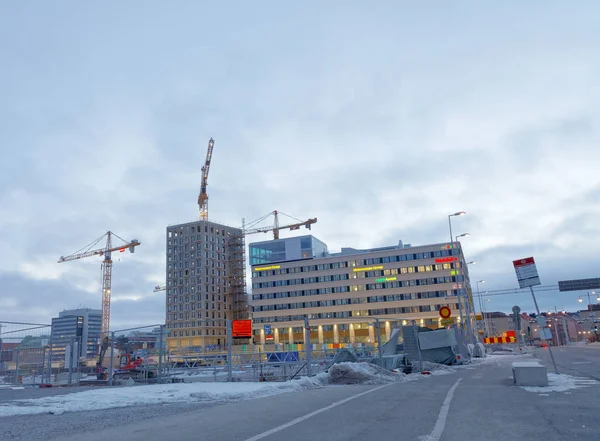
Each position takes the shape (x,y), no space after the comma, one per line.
(205,288)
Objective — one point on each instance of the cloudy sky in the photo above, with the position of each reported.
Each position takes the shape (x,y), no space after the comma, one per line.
(379,120)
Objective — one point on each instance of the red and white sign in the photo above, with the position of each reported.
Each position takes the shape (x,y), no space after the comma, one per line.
(445,312)
(527,274)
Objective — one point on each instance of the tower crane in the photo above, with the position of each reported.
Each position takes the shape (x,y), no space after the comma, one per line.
(275,228)
(203,196)
(106,268)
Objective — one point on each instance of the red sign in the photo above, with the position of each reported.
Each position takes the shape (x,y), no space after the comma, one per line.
(445,312)
(241,328)
(446,259)
(523,262)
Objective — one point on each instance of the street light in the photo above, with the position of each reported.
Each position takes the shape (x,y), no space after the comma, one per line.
(458,213)
(472,262)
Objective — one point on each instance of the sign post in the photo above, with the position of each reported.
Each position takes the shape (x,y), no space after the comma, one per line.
(527,276)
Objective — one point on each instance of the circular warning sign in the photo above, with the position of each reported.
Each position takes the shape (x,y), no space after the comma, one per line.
(445,312)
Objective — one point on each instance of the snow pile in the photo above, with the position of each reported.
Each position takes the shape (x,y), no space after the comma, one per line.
(560,383)
(147,395)
(359,373)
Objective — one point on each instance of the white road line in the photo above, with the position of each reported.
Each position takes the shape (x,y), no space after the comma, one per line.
(436,433)
(581,362)
(312,414)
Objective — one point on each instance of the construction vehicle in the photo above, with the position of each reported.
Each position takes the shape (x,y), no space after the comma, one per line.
(203,196)
(106,269)
(129,365)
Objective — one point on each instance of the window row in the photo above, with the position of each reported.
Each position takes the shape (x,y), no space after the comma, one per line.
(355,288)
(353,314)
(194,332)
(363,274)
(355,301)
(360,262)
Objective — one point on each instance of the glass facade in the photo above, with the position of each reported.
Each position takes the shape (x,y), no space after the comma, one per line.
(289,249)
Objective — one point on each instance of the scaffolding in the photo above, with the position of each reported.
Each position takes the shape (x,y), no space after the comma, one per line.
(236,277)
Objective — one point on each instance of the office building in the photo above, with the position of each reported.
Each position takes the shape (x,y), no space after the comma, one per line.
(205,277)
(342,292)
(76,327)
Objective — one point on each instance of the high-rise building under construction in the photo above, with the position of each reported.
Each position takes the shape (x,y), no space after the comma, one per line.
(205,283)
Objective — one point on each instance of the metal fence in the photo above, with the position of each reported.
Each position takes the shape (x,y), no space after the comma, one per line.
(141,355)
(24,352)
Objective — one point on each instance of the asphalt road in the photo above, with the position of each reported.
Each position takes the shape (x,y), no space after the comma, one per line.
(477,402)
(574,360)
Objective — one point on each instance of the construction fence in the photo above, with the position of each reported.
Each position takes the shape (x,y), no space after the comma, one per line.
(141,355)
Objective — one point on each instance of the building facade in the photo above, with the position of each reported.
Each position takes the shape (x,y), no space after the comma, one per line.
(76,327)
(205,275)
(342,293)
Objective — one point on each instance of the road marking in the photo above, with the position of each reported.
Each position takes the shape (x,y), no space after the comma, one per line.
(312,414)
(436,433)
(581,362)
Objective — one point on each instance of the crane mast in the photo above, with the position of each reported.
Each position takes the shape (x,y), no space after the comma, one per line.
(203,196)
(107,264)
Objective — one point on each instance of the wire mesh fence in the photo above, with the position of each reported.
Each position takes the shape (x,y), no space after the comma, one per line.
(29,356)
(24,351)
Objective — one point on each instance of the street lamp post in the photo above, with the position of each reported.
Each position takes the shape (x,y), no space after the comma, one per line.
(460,290)
(458,213)
(480,304)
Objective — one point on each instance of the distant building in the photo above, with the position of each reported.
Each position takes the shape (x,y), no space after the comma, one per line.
(205,274)
(343,292)
(563,327)
(76,325)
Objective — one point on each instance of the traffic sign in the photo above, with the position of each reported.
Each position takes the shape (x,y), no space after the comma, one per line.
(527,274)
(445,312)
(578,284)
(241,328)
(267,329)
(448,321)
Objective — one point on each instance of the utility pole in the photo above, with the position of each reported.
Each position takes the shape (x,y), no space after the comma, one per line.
(308,346)
(537,308)
(229,342)
(379,348)
(160,354)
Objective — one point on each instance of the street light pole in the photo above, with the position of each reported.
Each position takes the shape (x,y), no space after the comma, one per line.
(460,290)
(480,304)
(458,213)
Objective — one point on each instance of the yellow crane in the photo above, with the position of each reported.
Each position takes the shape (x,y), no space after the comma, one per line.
(107,263)
(203,196)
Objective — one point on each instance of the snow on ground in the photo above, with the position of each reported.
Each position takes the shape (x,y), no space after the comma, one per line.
(561,383)
(105,398)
